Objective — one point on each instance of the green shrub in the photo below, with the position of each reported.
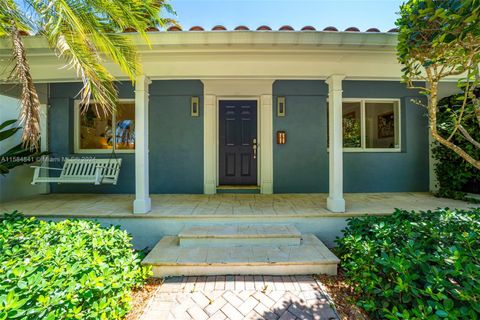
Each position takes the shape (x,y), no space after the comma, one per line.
(415,265)
(73,269)
(455,175)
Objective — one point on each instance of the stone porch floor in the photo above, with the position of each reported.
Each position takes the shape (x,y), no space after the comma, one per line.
(225,205)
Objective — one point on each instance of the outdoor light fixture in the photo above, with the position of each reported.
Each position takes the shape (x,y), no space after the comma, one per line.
(281,107)
(194,107)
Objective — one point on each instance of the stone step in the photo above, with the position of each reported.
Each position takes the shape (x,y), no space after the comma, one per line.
(167,258)
(239,189)
(236,236)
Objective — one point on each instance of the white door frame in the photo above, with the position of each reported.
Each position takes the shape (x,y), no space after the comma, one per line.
(242,89)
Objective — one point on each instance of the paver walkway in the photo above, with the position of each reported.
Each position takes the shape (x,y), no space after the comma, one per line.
(240,297)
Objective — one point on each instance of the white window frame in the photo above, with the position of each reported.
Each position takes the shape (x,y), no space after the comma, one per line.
(362,102)
(76,125)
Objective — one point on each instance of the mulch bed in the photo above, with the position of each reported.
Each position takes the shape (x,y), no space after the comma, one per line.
(343,296)
(141,296)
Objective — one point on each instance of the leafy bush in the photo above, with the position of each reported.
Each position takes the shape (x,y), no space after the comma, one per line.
(415,265)
(73,269)
(455,175)
(17,155)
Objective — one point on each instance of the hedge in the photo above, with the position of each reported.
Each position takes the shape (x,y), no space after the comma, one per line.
(411,265)
(72,269)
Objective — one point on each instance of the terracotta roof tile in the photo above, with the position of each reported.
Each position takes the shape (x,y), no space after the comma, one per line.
(286,28)
(128,30)
(260,28)
(219,28)
(330,28)
(174,28)
(263,28)
(308,28)
(352,29)
(196,28)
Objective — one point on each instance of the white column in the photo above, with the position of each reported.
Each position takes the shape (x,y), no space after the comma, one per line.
(335,201)
(45,187)
(266,144)
(209,144)
(142,203)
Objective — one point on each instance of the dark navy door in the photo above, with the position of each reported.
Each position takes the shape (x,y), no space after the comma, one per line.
(238,142)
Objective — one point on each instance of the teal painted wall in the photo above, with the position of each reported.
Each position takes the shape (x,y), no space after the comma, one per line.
(146,232)
(176,139)
(301,165)
(386,171)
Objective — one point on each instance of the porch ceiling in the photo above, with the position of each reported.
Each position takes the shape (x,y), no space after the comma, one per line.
(238,206)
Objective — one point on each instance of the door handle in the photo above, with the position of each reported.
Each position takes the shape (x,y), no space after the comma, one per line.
(254,146)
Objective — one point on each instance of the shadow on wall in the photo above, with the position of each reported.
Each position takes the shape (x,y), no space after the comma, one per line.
(16,184)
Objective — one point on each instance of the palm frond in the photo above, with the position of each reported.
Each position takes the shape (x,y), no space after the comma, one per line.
(84,33)
(30,104)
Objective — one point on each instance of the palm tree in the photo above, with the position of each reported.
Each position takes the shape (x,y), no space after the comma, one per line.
(84,33)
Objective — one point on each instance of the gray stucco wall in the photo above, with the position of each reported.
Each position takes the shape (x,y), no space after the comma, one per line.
(301,165)
(146,232)
(176,139)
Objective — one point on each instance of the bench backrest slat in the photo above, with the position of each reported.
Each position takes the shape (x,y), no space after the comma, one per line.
(74,168)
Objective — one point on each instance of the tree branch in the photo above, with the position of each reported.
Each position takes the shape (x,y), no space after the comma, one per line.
(467,136)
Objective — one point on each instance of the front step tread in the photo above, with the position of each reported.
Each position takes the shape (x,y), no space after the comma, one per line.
(257,231)
(311,251)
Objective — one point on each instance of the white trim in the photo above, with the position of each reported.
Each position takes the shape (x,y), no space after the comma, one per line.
(44,143)
(335,201)
(398,130)
(142,202)
(76,132)
(238,89)
(266,143)
(209,144)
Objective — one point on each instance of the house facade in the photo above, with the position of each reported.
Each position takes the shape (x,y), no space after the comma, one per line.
(246,111)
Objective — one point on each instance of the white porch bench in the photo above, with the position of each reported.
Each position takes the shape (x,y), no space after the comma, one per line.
(96,171)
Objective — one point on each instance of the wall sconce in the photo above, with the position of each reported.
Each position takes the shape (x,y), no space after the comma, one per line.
(194,107)
(281,107)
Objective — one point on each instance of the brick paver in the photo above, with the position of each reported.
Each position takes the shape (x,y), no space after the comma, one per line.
(240,297)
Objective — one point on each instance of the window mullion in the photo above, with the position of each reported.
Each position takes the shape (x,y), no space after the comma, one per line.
(362,124)
(114,130)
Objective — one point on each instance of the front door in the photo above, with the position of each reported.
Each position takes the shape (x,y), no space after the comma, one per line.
(238,142)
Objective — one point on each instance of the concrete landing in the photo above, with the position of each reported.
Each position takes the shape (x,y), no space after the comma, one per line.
(236,236)
(311,256)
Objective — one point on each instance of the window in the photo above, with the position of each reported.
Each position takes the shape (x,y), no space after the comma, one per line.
(381,125)
(96,132)
(371,125)
(351,119)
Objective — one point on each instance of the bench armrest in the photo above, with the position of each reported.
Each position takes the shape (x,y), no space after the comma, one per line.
(49,168)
